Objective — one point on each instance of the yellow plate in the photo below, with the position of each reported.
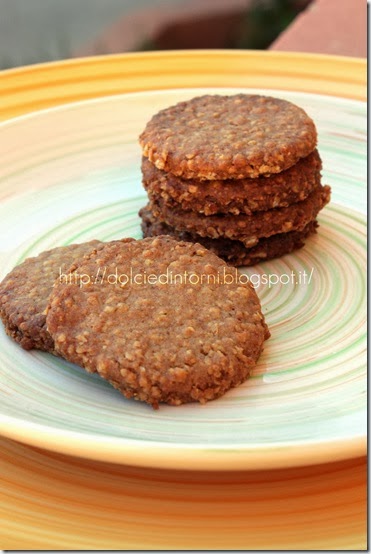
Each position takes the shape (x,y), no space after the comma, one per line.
(304,403)
(52,501)
(41,86)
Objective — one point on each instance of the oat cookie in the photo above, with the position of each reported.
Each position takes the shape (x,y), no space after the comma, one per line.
(235,196)
(159,342)
(228,137)
(25,291)
(233,251)
(245,228)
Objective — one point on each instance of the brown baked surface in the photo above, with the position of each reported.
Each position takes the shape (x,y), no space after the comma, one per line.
(245,228)
(228,137)
(25,291)
(170,343)
(233,251)
(235,196)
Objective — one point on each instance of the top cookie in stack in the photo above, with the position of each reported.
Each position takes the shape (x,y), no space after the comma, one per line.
(239,174)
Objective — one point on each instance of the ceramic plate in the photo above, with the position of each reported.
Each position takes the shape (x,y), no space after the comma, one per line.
(71,174)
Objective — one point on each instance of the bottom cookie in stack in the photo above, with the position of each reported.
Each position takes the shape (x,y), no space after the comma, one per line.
(232,251)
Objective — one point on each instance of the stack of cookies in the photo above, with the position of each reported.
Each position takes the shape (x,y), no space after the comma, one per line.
(239,174)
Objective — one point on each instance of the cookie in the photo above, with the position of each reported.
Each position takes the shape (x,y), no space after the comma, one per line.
(235,196)
(245,228)
(157,340)
(233,251)
(228,137)
(25,291)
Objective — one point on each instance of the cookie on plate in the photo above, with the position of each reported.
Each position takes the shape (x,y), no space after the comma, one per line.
(228,137)
(25,291)
(164,324)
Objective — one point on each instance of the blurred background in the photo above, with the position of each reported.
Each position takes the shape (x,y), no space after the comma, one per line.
(34,31)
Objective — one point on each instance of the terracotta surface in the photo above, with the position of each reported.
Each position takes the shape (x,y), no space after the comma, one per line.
(328,27)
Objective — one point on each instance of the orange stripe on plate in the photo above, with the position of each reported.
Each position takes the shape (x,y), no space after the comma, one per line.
(41,86)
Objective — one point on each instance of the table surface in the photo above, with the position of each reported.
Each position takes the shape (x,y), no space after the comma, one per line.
(55,501)
(336,27)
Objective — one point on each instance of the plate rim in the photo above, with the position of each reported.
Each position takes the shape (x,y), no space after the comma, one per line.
(163,455)
(176,90)
(49,84)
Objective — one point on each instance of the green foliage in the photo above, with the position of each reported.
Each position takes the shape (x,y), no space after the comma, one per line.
(263,22)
